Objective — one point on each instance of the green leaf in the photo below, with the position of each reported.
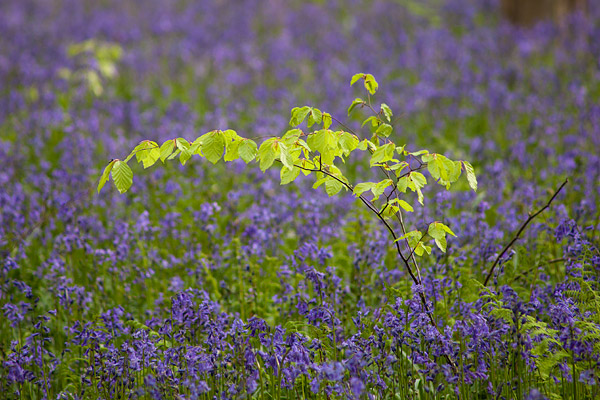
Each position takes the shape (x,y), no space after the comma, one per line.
(383,153)
(371,84)
(185,148)
(355,78)
(315,116)
(174,154)
(213,145)
(248,150)
(288,175)
(267,154)
(471,178)
(373,120)
(332,187)
(387,112)
(388,211)
(284,154)
(232,150)
(298,115)
(105,175)
(405,205)
(384,130)
(363,187)
(166,149)
(415,181)
(438,231)
(417,153)
(122,176)
(363,145)
(380,187)
(355,103)
(326,120)
(347,142)
(325,142)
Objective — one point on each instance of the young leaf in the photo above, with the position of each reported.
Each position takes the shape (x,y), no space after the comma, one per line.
(355,78)
(371,84)
(347,142)
(373,120)
(438,231)
(471,178)
(315,116)
(122,176)
(232,150)
(326,120)
(415,181)
(288,175)
(248,150)
(267,154)
(355,103)
(384,130)
(184,147)
(387,112)
(380,187)
(105,175)
(213,144)
(363,187)
(405,205)
(332,187)
(383,154)
(166,149)
(388,210)
(284,154)
(298,115)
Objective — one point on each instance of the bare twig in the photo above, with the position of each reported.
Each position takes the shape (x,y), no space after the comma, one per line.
(521,229)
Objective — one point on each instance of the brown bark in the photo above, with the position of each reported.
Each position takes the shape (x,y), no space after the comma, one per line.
(528,12)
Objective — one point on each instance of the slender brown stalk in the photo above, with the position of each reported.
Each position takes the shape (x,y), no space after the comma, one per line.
(520,231)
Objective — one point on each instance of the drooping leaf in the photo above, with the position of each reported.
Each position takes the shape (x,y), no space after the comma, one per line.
(384,130)
(166,149)
(373,120)
(380,187)
(383,153)
(284,154)
(387,111)
(405,205)
(288,175)
(213,145)
(363,187)
(122,176)
(437,231)
(185,150)
(298,115)
(355,78)
(327,120)
(471,178)
(355,103)
(347,142)
(371,84)
(267,154)
(106,175)
(332,187)
(315,116)
(248,150)
(232,150)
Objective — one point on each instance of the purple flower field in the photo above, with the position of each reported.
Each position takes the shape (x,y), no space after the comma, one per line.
(213,281)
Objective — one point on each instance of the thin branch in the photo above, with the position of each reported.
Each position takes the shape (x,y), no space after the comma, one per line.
(521,229)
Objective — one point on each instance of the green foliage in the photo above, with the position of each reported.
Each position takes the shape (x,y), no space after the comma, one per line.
(316,152)
(97,62)
(122,176)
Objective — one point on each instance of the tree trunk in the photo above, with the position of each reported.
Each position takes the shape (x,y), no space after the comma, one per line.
(528,12)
